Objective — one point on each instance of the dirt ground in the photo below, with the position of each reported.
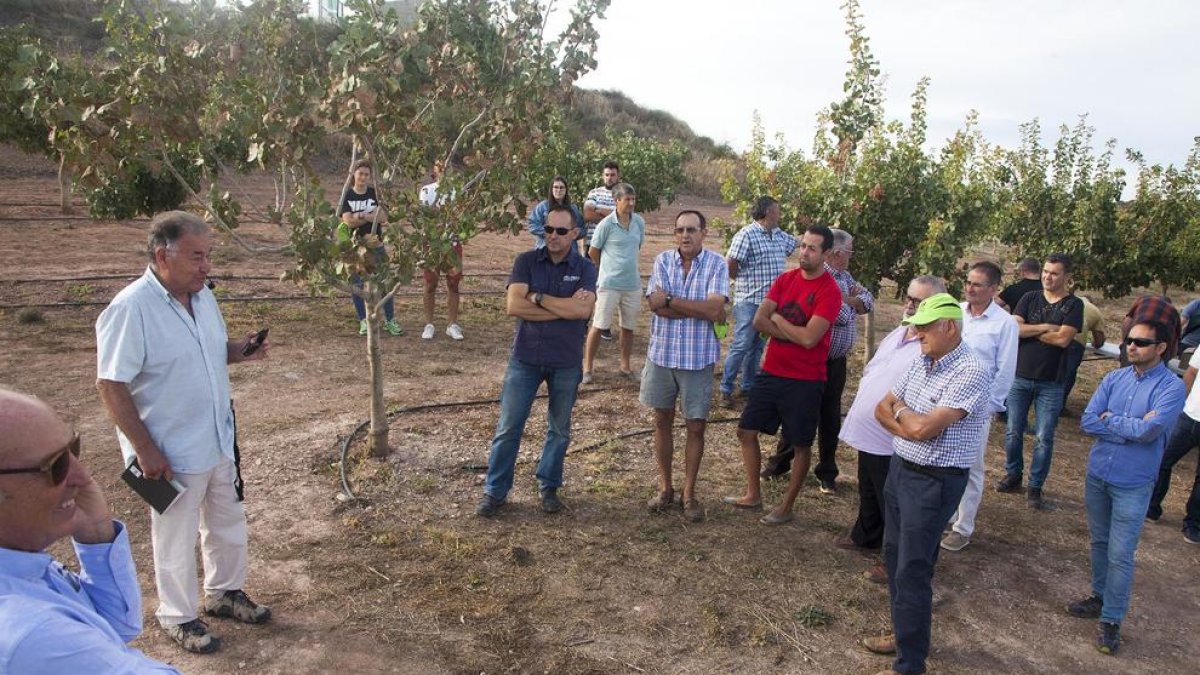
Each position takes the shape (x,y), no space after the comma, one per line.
(409,581)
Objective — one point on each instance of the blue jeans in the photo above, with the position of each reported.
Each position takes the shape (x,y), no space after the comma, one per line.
(1115,516)
(360,307)
(917,505)
(1046,398)
(521,383)
(746,351)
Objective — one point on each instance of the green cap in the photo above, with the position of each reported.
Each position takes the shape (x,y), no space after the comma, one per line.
(940,306)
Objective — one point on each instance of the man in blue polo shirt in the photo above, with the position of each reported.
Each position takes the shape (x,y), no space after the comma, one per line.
(686,295)
(1130,414)
(551,292)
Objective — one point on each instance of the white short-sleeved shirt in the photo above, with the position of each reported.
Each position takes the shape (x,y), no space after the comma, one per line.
(175,365)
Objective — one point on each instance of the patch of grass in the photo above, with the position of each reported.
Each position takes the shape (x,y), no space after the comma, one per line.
(423,485)
(811,616)
(450,544)
(443,371)
(80,292)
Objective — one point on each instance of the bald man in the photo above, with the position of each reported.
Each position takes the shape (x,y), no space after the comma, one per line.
(51,619)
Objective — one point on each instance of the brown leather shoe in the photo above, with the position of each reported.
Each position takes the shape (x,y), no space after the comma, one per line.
(881,644)
(846,543)
(876,574)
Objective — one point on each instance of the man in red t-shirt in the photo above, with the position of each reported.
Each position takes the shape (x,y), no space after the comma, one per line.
(800,307)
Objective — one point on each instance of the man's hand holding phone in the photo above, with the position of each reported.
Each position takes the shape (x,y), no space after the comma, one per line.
(256,346)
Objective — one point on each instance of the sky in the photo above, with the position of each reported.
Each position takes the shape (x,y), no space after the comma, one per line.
(1132,67)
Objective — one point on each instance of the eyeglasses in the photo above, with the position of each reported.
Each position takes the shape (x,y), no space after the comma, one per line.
(910,300)
(560,231)
(847,251)
(686,230)
(1141,342)
(57,467)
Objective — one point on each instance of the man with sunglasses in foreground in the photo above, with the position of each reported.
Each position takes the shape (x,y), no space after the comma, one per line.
(53,620)
(162,357)
(1130,415)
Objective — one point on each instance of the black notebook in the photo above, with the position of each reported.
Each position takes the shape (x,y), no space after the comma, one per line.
(159,493)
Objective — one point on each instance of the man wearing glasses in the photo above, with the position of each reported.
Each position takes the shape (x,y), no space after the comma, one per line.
(856,300)
(162,372)
(551,292)
(1130,415)
(53,620)
(686,295)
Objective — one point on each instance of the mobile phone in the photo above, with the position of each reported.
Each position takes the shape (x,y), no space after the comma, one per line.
(255,342)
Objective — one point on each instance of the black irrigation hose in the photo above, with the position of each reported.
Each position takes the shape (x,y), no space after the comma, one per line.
(252,298)
(349,492)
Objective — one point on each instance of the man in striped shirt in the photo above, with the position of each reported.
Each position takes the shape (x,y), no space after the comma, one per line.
(686,295)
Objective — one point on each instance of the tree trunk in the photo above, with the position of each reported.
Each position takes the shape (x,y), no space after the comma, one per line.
(869,334)
(64,185)
(377,441)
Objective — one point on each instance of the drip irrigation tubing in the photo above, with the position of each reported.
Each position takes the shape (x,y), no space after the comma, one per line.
(251,298)
(345,449)
(218,279)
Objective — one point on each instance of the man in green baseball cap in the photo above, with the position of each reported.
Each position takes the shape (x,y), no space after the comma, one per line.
(937,412)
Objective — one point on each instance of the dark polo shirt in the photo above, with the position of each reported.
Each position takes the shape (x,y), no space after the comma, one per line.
(557,343)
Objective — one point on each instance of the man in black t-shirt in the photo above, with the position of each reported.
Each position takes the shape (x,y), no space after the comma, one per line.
(1048,322)
(1031,280)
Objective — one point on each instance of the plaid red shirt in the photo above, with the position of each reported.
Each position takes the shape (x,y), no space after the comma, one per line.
(1158,309)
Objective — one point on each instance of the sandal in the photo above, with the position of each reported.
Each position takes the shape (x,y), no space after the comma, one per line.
(736,502)
(662,501)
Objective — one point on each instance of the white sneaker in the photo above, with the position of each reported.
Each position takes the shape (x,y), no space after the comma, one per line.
(454,331)
(427,334)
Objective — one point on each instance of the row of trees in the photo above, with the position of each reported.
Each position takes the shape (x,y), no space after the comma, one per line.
(914,210)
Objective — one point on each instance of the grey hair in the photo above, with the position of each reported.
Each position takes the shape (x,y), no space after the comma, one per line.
(936,283)
(841,238)
(167,228)
(623,189)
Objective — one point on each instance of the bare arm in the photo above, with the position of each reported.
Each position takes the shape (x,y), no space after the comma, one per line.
(519,303)
(709,309)
(594,254)
(118,402)
(1189,378)
(1058,336)
(732,264)
(762,320)
(1098,338)
(234,349)
(593,214)
(807,335)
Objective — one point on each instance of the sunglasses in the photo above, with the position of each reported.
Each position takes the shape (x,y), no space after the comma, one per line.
(560,231)
(57,466)
(1141,342)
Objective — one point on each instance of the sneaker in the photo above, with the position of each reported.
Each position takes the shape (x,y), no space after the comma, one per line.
(427,334)
(1191,534)
(606,334)
(362,327)
(828,487)
(693,511)
(392,327)
(194,637)
(454,331)
(1035,498)
(587,378)
(727,400)
(488,506)
(1088,608)
(1108,638)
(955,541)
(236,605)
(550,501)
(1010,484)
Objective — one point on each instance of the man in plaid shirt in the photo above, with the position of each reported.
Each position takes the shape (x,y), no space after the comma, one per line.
(686,295)
(938,413)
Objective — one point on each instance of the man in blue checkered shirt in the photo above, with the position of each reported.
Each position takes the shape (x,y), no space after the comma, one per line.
(686,295)
(756,257)
(938,413)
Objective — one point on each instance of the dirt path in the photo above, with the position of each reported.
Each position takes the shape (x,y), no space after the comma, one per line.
(411,582)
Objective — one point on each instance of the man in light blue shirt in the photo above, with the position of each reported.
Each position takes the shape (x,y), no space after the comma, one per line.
(615,246)
(162,356)
(1130,414)
(51,619)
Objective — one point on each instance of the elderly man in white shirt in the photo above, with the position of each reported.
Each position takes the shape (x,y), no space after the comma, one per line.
(162,357)
(992,335)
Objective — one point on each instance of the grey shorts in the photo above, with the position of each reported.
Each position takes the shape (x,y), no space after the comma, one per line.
(661,387)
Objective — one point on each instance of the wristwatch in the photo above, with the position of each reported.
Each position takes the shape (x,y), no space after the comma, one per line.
(669,299)
(537,298)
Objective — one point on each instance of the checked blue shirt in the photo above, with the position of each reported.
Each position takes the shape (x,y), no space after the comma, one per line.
(957,380)
(845,328)
(687,343)
(762,256)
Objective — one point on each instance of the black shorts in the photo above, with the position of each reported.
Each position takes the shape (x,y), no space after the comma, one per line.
(796,404)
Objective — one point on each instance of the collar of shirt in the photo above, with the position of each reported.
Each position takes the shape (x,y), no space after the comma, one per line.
(543,255)
(23,564)
(993,310)
(947,360)
(770,232)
